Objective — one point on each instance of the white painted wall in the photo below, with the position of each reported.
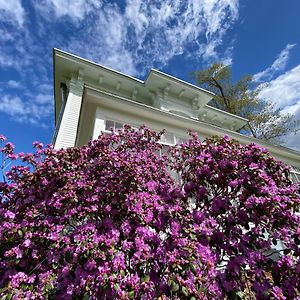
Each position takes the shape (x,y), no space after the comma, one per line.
(67,132)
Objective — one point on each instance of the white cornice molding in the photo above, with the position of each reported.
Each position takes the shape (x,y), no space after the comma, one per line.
(164,86)
(285,154)
(104,81)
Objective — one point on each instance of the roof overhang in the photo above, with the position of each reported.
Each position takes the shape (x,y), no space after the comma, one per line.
(100,78)
(157,80)
(112,101)
(66,65)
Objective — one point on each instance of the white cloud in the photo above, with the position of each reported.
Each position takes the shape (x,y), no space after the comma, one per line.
(46,88)
(14,84)
(141,35)
(74,9)
(104,41)
(5,36)
(278,65)
(292,140)
(151,33)
(44,99)
(284,91)
(33,111)
(6,60)
(16,48)
(132,38)
(12,11)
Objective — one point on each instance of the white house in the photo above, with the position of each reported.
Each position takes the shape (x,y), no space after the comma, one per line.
(90,98)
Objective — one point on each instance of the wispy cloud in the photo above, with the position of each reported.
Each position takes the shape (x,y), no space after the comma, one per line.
(14,84)
(147,33)
(12,11)
(278,65)
(5,36)
(284,91)
(132,37)
(33,111)
(293,140)
(74,9)
(104,40)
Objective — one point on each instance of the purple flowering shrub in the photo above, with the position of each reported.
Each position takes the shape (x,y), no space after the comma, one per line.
(108,221)
(243,207)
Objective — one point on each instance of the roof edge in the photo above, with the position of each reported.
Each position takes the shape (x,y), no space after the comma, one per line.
(170,77)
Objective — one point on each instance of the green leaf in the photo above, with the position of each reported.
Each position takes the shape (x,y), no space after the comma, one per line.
(193,236)
(193,269)
(131,294)
(3,289)
(146,278)
(48,286)
(185,291)
(174,286)
(7,296)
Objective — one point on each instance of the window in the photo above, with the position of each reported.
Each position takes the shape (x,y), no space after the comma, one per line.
(169,138)
(295,174)
(180,140)
(109,124)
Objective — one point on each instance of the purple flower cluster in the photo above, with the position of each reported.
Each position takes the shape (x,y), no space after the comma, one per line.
(108,221)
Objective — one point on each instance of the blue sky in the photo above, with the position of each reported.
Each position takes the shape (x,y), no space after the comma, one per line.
(256,37)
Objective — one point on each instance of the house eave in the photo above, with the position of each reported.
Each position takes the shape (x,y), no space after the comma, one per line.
(208,129)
